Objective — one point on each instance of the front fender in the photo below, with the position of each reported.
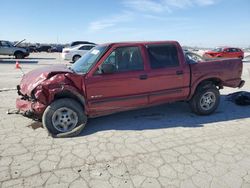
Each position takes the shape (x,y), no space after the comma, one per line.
(58,84)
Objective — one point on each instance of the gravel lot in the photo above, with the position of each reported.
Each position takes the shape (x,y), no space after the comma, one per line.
(164,146)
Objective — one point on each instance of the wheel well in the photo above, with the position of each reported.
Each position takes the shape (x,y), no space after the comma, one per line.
(212,81)
(76,55)
(68,94)
(18,51)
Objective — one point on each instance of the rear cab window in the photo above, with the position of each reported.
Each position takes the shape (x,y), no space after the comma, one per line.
(163,56)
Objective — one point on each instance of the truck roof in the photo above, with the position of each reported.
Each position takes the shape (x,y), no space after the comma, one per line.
(140,42)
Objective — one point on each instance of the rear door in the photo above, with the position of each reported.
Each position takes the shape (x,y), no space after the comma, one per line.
(169,75)
(124,88)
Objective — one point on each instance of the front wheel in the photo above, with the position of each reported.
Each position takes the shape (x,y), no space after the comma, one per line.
(75,58)
(63,117)
(19,55)
(205,101)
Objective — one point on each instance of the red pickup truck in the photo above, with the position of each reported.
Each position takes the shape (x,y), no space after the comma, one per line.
(122,76)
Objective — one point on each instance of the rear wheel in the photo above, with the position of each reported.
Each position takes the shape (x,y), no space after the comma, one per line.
(19,55)
(75,58)
(63,116)
(206,100)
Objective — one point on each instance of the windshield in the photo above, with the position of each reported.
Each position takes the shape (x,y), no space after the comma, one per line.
(83,64)
(217,50)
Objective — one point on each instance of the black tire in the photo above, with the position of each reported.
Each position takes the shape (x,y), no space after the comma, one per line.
(75,58)
(198,101)
(19,55)
(77,116)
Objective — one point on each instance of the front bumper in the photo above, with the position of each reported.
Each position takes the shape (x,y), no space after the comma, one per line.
(29,107)
(25,107)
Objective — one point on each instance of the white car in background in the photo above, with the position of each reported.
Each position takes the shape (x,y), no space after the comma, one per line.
(74,53)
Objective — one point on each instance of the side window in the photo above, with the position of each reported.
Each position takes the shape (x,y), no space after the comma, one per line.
(86,47)
(235,50)
(227,50)
(162,56)
(82,48)
(5,44)
(89,47)
(125,59)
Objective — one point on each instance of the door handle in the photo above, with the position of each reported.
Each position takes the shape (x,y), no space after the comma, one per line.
(143,77)
(179,72)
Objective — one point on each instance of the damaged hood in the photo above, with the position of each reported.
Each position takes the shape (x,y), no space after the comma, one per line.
(33,78)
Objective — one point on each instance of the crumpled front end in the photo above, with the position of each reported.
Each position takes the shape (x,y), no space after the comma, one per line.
(32,97)
(29,106)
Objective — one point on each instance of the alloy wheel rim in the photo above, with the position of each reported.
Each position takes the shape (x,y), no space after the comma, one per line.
(64,119)
(207,101)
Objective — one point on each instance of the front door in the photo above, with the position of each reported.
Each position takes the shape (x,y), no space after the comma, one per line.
(122,89)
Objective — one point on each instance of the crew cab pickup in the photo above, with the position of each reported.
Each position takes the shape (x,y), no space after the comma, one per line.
(117,77)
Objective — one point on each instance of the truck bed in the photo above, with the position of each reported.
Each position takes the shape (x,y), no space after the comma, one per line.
(226,71)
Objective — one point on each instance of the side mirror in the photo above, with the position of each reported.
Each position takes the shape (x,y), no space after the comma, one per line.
(107,68)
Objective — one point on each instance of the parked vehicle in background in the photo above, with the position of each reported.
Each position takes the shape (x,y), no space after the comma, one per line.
(58,48)
(225,52)
(7,48)
(32,48)
(76,52)
(123,76)
(75,43)
(193,57)
(44,48)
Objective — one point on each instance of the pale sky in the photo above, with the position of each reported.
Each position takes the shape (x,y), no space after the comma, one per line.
(205,23)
